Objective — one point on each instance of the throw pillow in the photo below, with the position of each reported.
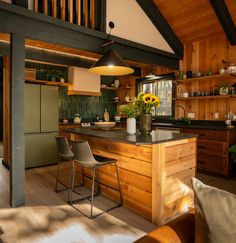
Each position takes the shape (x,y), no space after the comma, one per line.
(215,214)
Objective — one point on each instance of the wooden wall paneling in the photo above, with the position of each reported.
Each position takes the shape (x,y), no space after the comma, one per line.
(191,21)
(6,110)
(233,105)
(36,6)
(63,10)
(54,8)
(127,87)
(70,9)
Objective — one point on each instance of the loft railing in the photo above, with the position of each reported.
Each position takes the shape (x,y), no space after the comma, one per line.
(81,12)
(87,13)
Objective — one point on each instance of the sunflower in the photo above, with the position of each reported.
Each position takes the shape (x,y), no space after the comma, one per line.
(155,101)
(140,96)
(147,98)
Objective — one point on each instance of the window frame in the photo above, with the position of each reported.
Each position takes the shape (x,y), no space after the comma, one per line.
(156,78)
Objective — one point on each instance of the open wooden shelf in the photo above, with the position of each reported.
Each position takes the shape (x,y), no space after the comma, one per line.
(207,97)
(46,82)
(109,88)
(206,77)
(113,88)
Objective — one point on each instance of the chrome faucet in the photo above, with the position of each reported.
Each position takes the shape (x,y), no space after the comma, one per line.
(180,106)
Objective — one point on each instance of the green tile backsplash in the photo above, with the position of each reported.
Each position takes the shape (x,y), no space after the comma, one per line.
(87,106)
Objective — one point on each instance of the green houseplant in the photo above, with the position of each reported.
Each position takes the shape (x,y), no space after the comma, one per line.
(232,151)
(130,111)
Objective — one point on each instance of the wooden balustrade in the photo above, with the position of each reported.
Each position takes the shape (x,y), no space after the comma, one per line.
(81,12)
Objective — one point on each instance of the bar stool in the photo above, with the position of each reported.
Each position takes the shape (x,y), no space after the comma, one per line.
(64,154)
(85,158)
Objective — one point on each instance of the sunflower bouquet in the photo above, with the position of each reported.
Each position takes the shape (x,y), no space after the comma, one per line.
(145,102)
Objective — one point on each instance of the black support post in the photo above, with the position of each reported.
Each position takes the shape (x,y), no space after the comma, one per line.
(17,138)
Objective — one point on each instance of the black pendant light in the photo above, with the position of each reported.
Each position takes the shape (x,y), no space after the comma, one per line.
(111,63)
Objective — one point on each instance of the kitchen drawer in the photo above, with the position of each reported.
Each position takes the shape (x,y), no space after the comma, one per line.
(208,134)
(214,148)
(212,164)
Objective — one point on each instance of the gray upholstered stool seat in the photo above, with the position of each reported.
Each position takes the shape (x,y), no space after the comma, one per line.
(64,154)
(85,158)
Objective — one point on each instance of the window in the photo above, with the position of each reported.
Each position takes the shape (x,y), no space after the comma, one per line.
(163,88)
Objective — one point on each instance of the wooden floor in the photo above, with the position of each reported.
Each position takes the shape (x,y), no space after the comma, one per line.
(47,218)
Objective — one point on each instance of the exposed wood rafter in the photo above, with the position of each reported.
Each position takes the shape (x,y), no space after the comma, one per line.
(14,19)
(161,25)
(225,19)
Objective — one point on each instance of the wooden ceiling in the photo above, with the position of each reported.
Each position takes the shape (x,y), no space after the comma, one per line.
(193,20)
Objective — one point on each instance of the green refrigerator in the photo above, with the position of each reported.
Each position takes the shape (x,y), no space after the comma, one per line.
(41,124)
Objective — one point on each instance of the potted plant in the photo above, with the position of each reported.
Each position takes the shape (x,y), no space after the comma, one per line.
(130,111)
(232,151)
(144,104)
(53,75)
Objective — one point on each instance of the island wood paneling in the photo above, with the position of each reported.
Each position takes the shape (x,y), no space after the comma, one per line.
(155,179)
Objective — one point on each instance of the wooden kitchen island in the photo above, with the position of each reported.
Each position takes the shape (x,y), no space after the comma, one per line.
(155,170)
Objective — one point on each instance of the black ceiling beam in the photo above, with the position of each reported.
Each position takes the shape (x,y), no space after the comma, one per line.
(225,19)
(14,19)
(154,14)
(50,57)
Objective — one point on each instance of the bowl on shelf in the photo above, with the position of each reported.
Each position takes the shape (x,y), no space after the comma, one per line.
(104,124)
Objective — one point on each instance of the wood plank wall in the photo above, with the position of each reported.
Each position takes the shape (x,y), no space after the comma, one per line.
(205,56)
(81,12)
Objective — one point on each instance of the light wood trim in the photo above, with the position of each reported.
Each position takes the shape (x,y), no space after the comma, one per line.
(72,92)
(6,109)
(158,165)
(78,12)
(85,12)
(92,13)
(46,82)
(63,9)
(54,8)
(45,7)
(70,9)
(36,6)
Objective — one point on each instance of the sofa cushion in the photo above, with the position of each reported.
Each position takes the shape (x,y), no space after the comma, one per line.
(215,214)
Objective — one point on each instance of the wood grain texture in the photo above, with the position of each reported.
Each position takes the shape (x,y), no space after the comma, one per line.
(212,150)
(144,171)
(190,20)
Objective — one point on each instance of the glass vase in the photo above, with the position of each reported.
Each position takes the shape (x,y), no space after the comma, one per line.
(145,123)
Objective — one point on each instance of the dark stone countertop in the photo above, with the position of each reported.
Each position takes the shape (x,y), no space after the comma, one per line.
(155,137)
(205,126)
